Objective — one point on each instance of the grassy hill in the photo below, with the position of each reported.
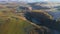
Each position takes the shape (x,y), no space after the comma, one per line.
(9,24)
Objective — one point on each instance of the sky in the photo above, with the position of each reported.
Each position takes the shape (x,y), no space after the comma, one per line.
(33,0)
(42,0)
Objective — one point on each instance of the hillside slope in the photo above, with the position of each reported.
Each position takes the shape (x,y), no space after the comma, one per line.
(11,24)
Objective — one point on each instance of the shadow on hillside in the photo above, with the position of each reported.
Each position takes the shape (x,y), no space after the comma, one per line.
(42,19)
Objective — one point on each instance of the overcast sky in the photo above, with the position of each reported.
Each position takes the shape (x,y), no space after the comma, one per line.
(34,0)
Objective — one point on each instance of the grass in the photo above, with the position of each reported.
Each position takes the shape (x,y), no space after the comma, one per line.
(13,25)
